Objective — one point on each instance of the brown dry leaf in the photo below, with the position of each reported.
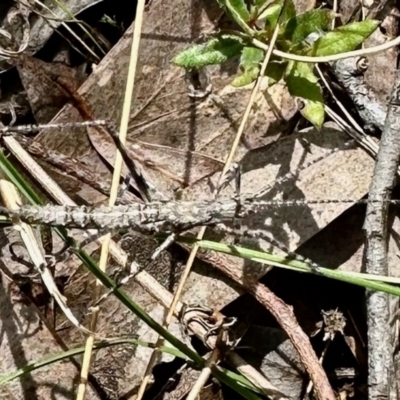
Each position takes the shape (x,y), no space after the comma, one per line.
(163,113)
(322,165)
(44,94)
(175,161)
(381,71)
(344,173)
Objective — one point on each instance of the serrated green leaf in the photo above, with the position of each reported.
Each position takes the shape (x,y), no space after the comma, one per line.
(315,112)
(298,28)
(288,12)
(249,63)
(281,9)
(238,11)
(302,82)
(251,57)
(250,75)
(344,38)
(275,71)
(216,51)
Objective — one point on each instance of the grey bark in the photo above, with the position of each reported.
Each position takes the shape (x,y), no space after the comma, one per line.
(350,73)
(380,341)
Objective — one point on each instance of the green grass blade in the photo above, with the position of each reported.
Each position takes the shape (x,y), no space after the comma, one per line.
(295,265)
(80,350)
(223,377)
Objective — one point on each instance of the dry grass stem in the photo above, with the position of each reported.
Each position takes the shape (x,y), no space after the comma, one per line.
(115,184)
(204,375)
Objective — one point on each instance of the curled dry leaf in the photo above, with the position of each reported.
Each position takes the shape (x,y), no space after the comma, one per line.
(39,79)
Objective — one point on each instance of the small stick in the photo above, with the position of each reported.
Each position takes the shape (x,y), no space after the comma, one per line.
(380,341)
(205,374)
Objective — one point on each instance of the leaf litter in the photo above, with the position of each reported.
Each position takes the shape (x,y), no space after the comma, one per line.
(197,136)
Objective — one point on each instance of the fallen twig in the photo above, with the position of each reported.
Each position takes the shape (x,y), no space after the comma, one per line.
(350,73)
(380,348)
(286,319)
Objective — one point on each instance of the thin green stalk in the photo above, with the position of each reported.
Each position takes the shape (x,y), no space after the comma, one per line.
(79,350)
(299,266)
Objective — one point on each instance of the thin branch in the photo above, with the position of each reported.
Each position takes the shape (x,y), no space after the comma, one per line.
(380,351)
(350,73)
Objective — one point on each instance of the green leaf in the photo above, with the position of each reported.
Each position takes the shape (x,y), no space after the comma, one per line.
(250,64)
(237,6)
(281,9)
(344,38)
(250,75)
(271,14)
(288,11)
(261,3)
(275,71)
(216,51)
(298,28)
(238,11)
(314,112)
(251,57)
(302,83)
